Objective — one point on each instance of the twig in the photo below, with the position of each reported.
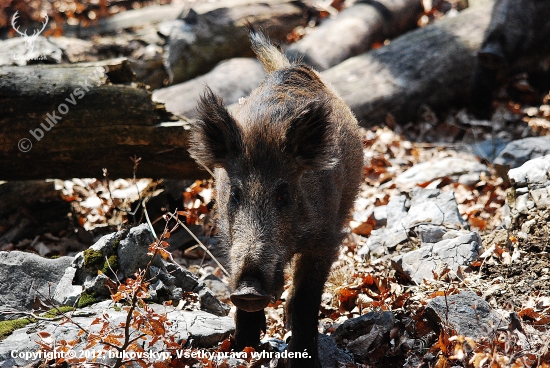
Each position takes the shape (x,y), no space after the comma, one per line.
(201,245)
(30,314)
(149,222)
(206,168)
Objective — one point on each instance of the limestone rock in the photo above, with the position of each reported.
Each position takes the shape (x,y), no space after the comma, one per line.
(25,276)
(418,264)
(466,313)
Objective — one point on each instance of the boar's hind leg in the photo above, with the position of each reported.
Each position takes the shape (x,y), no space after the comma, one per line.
(248,326)
(310,274)
(482,92)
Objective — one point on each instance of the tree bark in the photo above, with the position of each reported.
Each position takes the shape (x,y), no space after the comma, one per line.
(202,38)
(64,121)
(429,66)
(355,30)
(127,20)
(230,79)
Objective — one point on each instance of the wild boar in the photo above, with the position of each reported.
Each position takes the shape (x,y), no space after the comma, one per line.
(288,163)
(515,41)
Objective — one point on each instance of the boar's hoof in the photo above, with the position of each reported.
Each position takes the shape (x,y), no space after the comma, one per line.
(250,298)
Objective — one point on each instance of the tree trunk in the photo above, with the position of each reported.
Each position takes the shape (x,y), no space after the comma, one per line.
(66,121)
(198,41)
(230,79)
(355,30)
(430,66)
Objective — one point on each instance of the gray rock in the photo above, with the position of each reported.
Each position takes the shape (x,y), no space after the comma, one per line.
(98,286)
(182,277)
(541,197)
(365,333)
(158,291)
(530,189)
(275,344)
(168,280)
(443,205)
(466,313)
(532,174)
(519,152)
(231,80)
(528,225)
(163,276)
(427,206)
(24,276)
(330,355)
(66,293)
(396,209)
(431,233)
(106,246)
(188,282)
(218,287)
(453,167)
(418,265)
(210,303)
(202,328)
(359,326)
(469,180)
(133,251)
(380,215)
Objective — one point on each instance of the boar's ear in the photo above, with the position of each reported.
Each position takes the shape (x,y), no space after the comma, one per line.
(215,137)
(308,138)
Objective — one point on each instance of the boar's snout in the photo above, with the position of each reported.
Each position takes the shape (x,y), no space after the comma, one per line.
(250,296)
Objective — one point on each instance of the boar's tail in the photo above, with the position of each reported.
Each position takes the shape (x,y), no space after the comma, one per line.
(271,58)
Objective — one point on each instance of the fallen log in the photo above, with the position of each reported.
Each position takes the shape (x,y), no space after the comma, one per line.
(25,193)
(355,30)
(516,41)
(127,20)
(429,66)
(30,208)
(63,121)
(203,37)
(231,80)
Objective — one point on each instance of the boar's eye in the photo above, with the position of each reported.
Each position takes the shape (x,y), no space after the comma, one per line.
(235,196)
(282,197)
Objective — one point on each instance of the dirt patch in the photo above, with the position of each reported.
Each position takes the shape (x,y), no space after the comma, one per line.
(528,276)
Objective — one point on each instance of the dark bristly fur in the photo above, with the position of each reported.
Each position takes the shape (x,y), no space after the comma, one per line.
(515,40)
(288,164)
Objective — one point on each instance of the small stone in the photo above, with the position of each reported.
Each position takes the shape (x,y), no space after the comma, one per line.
(466,313)
(419,265)
(518,152)
(446,167)
(330,355)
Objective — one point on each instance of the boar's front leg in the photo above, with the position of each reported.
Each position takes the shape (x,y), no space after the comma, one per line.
(310,274)
(248,326)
